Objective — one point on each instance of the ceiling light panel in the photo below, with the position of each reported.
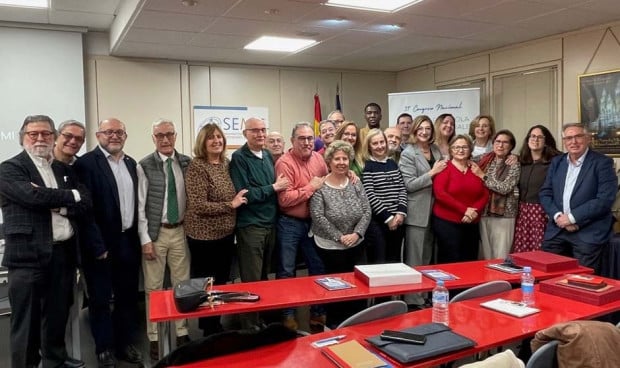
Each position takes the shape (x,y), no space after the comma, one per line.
(280,44)
(26,3)
(387,6)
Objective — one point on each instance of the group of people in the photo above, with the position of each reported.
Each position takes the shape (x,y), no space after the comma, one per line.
(416,192)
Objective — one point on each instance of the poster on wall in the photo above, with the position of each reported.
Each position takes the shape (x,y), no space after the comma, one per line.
(231,120)
(464,104)
(599,109)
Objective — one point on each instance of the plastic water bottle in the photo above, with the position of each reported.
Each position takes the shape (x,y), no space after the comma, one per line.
(527,286)
(441,297)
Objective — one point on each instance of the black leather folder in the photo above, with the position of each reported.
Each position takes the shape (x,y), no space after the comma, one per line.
(440,339)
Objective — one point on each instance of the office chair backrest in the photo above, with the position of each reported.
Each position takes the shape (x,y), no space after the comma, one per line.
(383,310)
(489,288)
(545,357)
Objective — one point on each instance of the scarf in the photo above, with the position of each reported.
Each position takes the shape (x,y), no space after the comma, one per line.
(497,201)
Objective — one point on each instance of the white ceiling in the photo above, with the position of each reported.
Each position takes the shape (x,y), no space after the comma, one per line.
(217,30)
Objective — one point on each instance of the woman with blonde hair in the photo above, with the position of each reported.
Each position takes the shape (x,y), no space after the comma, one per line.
(482,130)
(210,213)
(419,163)
(386,193)
(444,131)
(350,133)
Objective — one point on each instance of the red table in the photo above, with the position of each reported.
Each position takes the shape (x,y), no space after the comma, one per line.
(488,328)
(299,291)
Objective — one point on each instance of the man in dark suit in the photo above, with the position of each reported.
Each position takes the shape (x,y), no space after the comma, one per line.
(41,199)
(577,195)
(111,248)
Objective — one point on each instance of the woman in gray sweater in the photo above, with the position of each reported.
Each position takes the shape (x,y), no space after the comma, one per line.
(340,215)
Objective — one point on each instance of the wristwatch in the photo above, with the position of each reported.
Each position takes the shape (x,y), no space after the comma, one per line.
(484,178)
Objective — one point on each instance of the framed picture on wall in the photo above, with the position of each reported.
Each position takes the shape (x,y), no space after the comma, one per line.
(599,109)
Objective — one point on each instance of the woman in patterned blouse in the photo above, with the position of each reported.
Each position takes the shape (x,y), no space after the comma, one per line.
(498,219)
(210,214)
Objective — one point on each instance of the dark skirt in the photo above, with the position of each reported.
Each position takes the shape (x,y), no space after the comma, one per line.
(529,228)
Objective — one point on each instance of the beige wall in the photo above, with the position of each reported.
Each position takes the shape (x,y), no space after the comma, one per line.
(588,51)
(140,91)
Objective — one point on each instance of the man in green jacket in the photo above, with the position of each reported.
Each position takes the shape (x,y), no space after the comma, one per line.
(252,168)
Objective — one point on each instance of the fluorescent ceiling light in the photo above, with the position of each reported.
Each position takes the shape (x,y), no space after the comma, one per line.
(279,44)
(388,6)
(26,3)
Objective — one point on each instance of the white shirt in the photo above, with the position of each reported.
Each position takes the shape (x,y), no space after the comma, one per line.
(143,183)
(61,227)
(124,186)
(569,185)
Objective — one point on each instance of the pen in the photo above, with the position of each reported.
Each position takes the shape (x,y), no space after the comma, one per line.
(333,338)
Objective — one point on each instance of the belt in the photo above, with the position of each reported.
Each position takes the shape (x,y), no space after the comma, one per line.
(61,242)
(171,226)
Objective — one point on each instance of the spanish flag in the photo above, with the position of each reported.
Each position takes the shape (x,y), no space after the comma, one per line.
(317,114)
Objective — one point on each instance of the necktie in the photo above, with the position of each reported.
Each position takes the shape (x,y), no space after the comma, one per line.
(173,205)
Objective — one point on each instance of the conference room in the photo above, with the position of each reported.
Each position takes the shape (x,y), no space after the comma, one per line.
(140,60)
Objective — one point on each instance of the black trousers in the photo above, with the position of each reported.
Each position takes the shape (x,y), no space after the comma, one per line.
(211,258)
(337,261)
(118,276)
(456,242)
(40,300)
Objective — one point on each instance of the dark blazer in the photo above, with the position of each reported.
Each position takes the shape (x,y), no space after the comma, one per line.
(591,200)
(26,209)
(102,234)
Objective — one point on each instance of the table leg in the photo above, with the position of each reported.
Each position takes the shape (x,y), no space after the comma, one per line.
(165,337)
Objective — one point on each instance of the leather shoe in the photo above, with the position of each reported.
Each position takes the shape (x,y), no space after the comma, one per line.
(182,340)
(73,363)
(131,355)
(106,359)
(154,350)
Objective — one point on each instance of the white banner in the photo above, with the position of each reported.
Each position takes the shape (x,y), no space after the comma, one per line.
(464,104)
(231,120)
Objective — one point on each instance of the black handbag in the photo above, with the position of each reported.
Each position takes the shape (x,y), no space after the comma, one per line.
(190,294)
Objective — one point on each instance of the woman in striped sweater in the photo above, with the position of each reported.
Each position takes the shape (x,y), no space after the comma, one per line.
(387,195)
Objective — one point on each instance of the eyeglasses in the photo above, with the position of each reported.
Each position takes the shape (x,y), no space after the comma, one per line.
(43,133)
(460,148)
(257,130)
(328,130)
(161,136)
(501,143)
(69,137)
(535,137)
(305,139)
(576,137)
(109,133)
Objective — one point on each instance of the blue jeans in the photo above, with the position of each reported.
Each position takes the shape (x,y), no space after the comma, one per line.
(293,235)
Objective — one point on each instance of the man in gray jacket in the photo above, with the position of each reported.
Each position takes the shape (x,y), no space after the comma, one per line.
(161,207)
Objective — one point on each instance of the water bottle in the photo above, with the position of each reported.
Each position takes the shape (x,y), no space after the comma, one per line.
(527,286)
(441,297)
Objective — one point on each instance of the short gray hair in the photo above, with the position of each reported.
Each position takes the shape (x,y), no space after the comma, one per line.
(301,125)
(71,122)
(336,146)
(574,125)
(161,121)
(36,119)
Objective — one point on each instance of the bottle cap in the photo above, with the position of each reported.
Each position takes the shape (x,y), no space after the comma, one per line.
(527,269)
(440,283)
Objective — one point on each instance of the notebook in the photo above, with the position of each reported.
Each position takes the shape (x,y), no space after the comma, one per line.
(510,307)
